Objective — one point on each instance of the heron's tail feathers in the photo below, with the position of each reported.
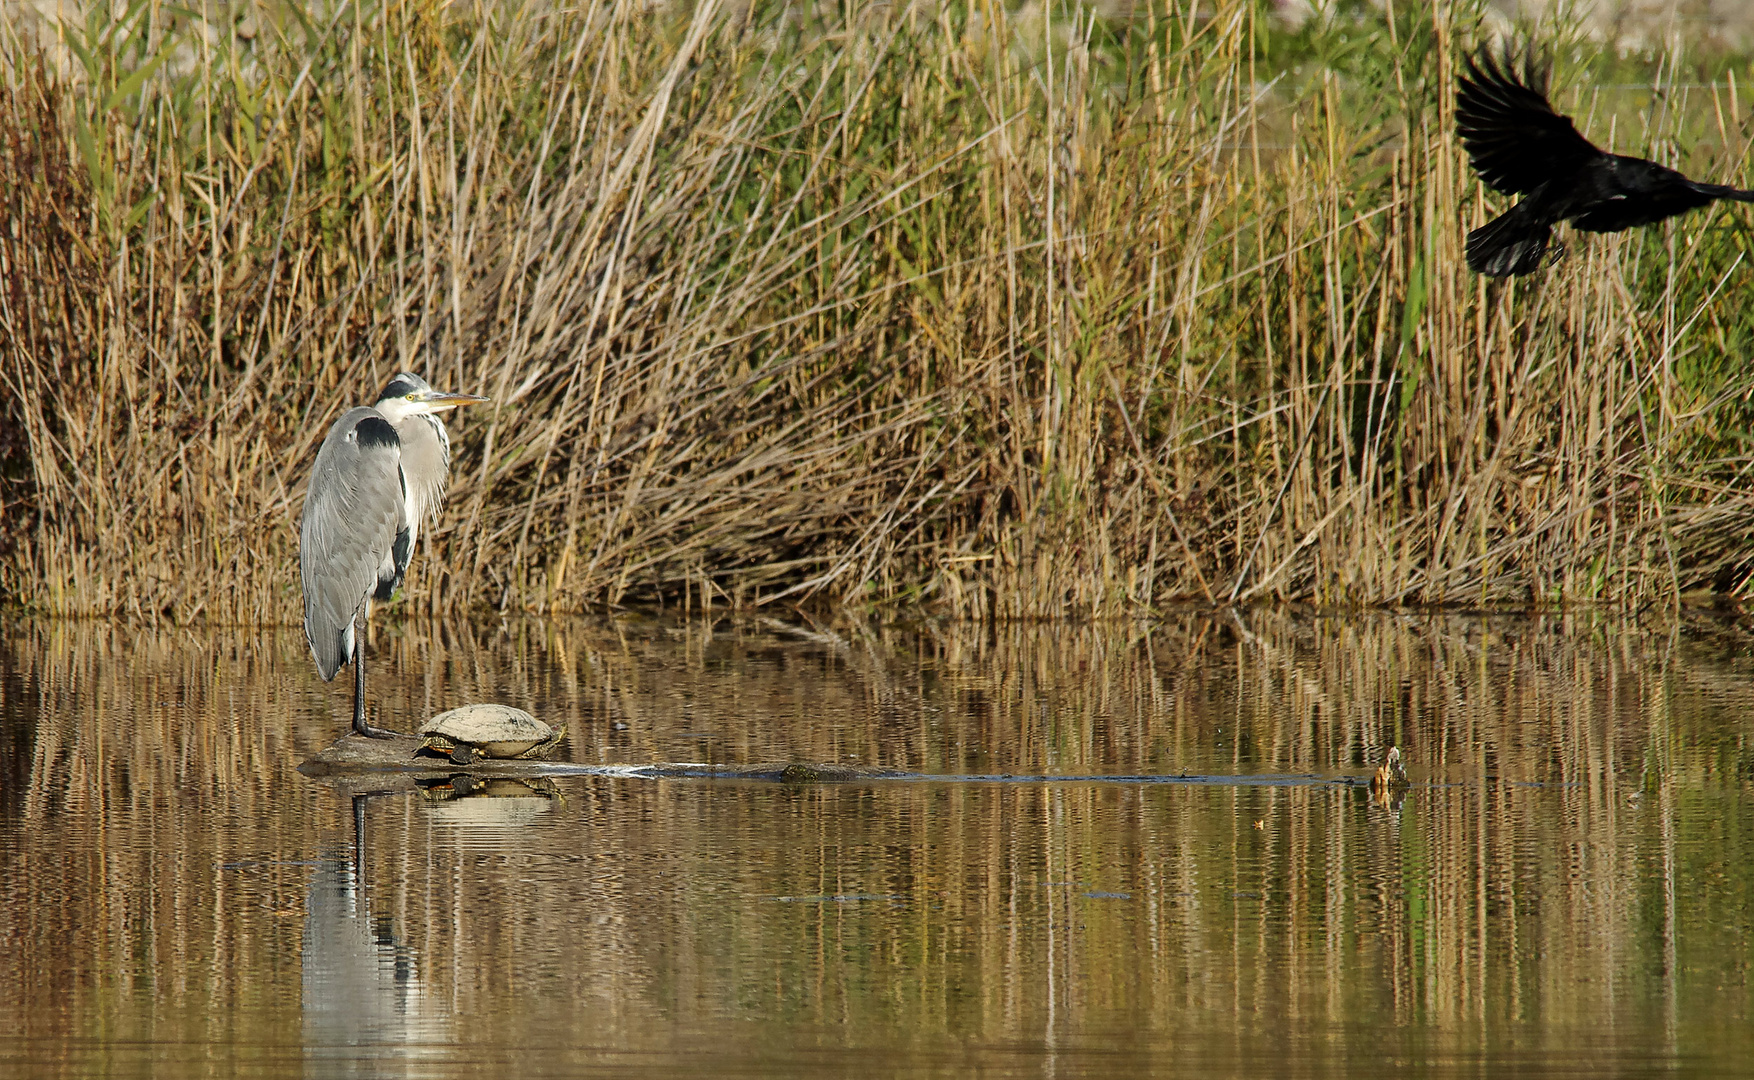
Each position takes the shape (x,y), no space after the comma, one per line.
(331,650)
(1513,243)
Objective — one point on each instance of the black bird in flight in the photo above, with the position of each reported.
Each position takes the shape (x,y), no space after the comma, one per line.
(1520,146)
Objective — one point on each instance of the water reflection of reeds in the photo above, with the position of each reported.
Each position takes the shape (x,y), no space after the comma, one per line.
(1573,855)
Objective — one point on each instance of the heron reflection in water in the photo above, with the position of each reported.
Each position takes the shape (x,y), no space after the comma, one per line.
(366,1004)
(364,1000)
(381,473)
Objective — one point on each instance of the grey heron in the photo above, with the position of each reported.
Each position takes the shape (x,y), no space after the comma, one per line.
(379,475)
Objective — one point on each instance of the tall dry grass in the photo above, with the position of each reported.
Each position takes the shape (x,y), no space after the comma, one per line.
(1006,314)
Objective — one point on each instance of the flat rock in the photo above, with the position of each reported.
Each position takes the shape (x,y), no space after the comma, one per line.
(356,753)
(389,764)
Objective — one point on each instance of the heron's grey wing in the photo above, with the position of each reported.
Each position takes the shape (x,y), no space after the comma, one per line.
(353,510)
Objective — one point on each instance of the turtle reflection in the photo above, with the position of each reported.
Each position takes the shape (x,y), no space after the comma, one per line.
(466,800)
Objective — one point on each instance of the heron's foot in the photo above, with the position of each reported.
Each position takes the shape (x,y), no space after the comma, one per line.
(362,728)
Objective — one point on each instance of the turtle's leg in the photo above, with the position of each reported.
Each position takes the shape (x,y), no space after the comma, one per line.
(359,724)
(541,749)
(463,754)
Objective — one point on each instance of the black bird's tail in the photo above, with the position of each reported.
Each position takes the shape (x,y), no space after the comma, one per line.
(1515,242)
(1723,191)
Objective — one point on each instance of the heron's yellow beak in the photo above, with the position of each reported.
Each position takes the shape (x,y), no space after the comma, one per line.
(439,399)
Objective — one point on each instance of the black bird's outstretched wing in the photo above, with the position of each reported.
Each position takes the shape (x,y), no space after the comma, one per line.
(1515,141)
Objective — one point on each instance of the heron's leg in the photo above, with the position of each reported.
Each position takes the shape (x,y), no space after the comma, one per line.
(359,723)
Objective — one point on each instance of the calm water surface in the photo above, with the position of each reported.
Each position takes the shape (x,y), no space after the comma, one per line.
(1567,888)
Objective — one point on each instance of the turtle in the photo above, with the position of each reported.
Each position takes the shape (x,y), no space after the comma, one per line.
(486,731)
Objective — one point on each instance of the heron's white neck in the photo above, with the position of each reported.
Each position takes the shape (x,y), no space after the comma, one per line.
(425,456)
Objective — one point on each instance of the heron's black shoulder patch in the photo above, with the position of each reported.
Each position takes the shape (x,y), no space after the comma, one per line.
(376,431)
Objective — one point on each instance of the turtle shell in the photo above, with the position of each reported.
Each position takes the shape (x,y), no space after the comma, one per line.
(490,731)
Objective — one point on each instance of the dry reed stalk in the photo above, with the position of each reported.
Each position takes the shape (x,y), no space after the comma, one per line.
(914,306)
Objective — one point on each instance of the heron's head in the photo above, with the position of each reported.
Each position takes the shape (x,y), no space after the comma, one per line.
(408,394)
